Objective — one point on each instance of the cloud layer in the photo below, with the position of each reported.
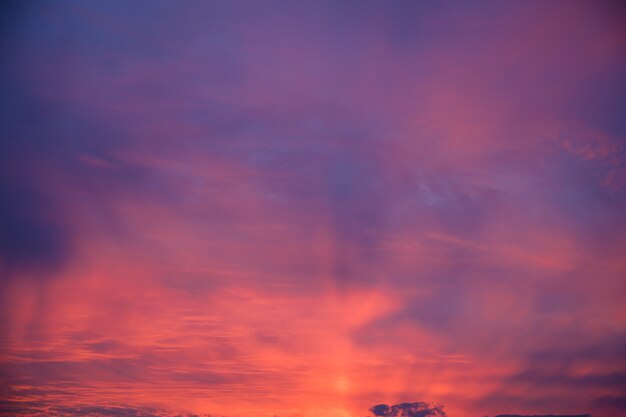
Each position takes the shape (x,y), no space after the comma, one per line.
(416,409)
(302,209)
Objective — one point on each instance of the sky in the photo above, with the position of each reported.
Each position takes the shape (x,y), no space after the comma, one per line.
(312,208)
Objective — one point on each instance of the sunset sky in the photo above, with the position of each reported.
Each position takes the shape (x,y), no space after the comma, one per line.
(307,208)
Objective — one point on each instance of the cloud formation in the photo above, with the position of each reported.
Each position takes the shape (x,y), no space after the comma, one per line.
(40,408)
(319,204)
(544,415)
(415,409)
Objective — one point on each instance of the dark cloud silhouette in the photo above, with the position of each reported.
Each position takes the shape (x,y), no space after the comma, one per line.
(107,411)
(416,409)
(8,407)
(544,415)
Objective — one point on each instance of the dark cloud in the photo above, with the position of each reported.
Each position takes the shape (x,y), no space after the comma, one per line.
(32,230)
(543,378)
(612,403)
(105,411)
(31,235)
(11,408)
(416,409)
(105,346)
(544,415)
(36,408)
